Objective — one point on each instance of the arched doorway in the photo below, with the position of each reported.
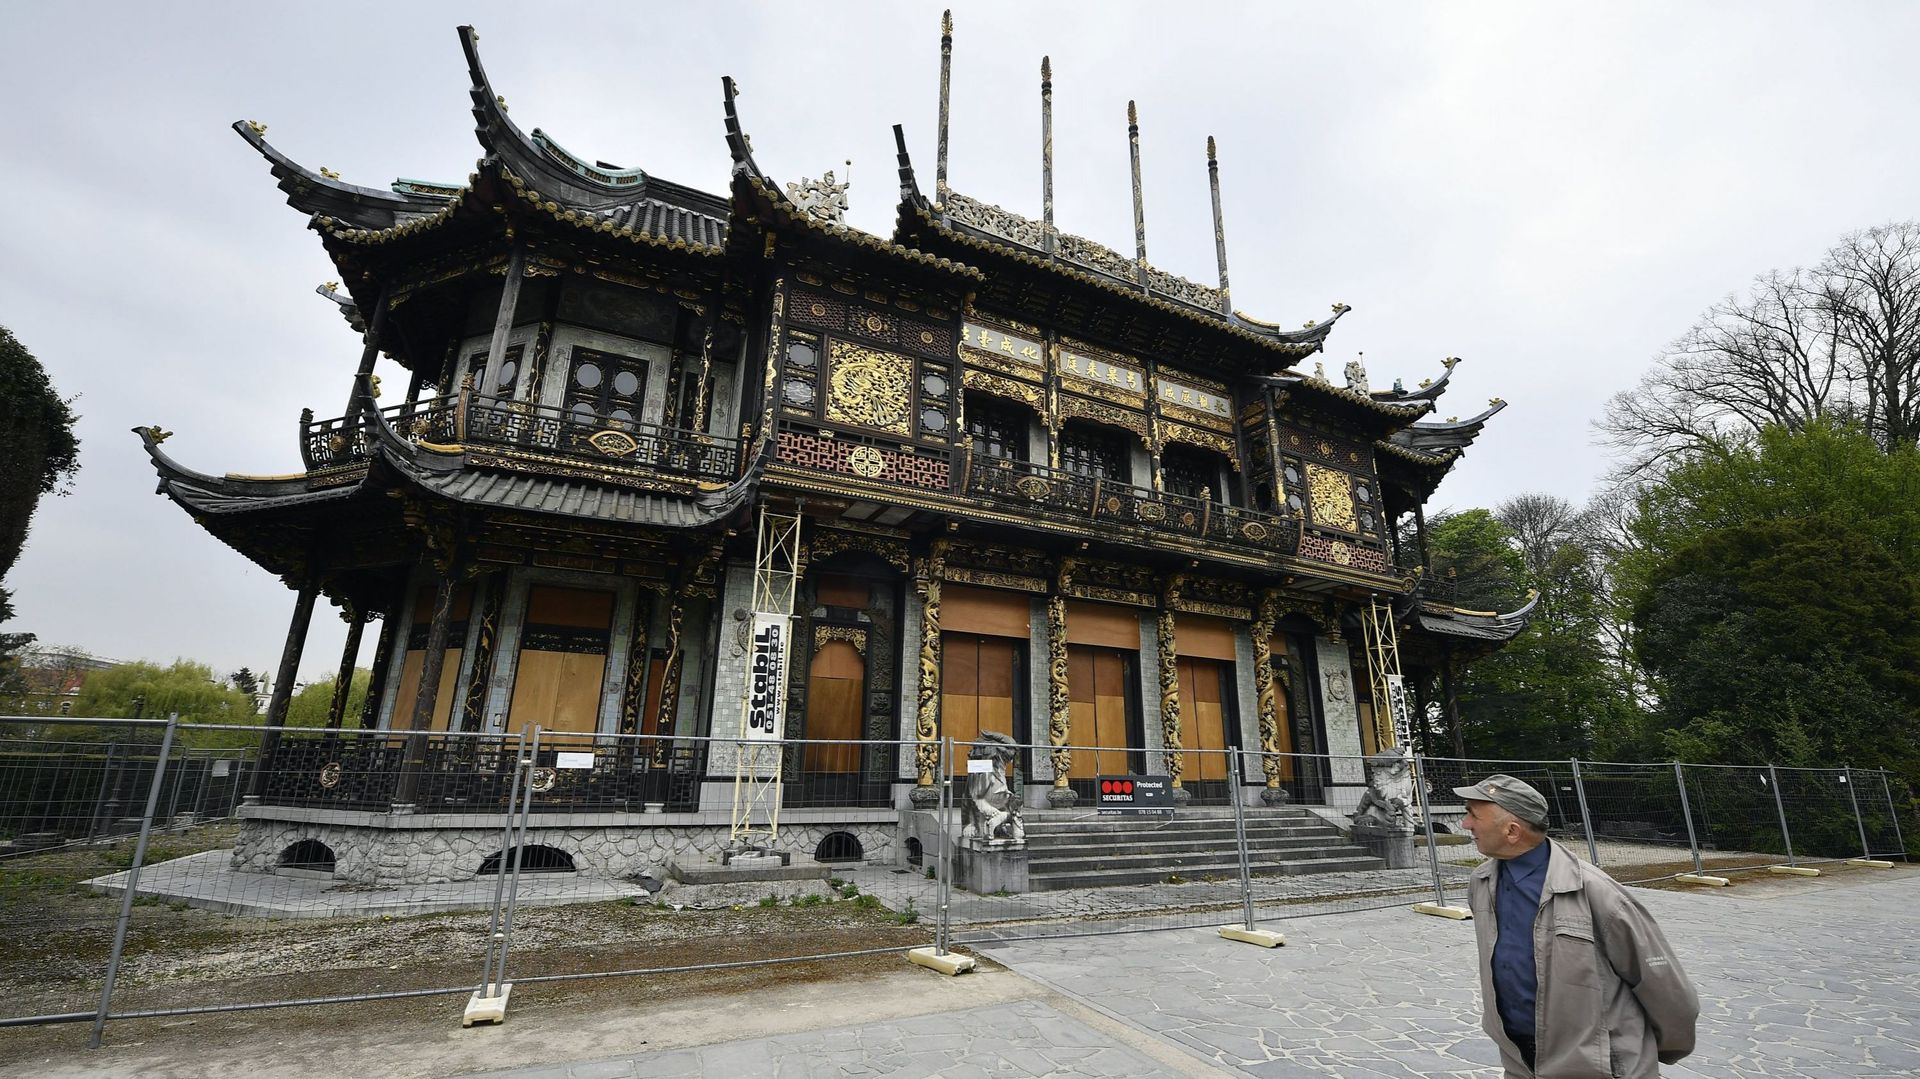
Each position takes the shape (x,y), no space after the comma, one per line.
(836,690)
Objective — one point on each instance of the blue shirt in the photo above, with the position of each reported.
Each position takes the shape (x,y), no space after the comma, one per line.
(1516,903)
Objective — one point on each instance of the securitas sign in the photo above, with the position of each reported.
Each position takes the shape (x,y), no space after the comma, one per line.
(1135,795)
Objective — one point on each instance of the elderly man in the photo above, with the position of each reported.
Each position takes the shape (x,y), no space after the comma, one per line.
(1576,980)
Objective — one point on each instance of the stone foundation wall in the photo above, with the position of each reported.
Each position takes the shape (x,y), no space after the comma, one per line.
(386,855)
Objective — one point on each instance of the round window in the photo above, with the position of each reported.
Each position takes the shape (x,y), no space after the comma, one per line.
(802,355)
(799,393)
(932,420)
(582,412)
(1292,474)
(507,371)
(587,375)
(934,386)
(1293,502)
(621,416)
(1361,492)
(625,383)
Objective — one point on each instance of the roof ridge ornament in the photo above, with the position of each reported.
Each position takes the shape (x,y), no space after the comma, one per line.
(822,199)
(1046,154)
(1219,228)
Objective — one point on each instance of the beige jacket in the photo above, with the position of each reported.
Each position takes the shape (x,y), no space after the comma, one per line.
(1612,1001)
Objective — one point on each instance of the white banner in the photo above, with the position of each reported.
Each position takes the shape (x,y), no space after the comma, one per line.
(766,679)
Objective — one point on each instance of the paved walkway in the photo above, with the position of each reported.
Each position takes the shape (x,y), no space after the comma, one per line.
(1799,978)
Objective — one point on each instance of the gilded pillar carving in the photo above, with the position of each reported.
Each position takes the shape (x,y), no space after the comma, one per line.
(670,678)
(927,726)
(1059,704)
(633,693)
(1264,690)
(1170,680)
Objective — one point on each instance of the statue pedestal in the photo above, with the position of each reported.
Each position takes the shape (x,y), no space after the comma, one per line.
(986,866)
(1393,847)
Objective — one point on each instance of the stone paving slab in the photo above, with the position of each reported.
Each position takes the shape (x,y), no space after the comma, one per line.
(1817,981)
(1023,1038)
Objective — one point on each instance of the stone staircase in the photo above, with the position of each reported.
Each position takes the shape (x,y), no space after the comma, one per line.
(1079,850)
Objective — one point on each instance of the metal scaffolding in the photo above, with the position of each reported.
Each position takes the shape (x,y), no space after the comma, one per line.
(758,754)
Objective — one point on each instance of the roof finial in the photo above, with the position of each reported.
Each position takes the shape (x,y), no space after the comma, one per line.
(946,81)
(1046,153)
(1139,207)
(1219,227)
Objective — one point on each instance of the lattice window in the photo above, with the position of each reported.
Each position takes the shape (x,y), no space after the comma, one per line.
(1091,452)
(997,430)
(604,388)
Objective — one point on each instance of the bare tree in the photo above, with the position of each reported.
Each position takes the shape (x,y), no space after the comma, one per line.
(1871,297)
(1840,339)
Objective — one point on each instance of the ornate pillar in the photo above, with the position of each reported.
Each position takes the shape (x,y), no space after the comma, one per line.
(670,676)
(927,725)
(343,679)
(445,560)
(1170,688)
(486,606)
(1266,693)
(633,694)
(1059,703)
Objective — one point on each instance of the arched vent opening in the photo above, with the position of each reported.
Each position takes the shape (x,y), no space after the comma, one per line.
(915,852)
(534,858)
(308,854)
(839,847)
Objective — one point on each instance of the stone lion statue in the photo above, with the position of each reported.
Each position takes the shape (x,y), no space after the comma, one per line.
(991,809)
(1383,807)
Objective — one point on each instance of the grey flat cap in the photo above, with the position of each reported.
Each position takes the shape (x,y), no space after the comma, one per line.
(1513,795)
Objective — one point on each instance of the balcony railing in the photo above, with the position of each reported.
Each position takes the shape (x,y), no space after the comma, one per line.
(586,434)
(1068,495)
(469,419)
(474,774)
(325,443)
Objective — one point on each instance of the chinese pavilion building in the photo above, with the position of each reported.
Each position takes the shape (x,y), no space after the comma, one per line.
(1046,488)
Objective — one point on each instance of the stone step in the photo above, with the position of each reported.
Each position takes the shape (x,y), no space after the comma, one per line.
(1041,881)
(1164,824)
(1170,860)
(1277,847)
(1211,835)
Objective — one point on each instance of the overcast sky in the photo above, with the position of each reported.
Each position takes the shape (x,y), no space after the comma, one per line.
(1550,194)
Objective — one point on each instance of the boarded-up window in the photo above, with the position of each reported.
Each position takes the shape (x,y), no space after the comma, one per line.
(1097,694)
(980,690)
(563,659)
(1103,624)
(986,611)
(1203,690)
(1208,638)
(836,684)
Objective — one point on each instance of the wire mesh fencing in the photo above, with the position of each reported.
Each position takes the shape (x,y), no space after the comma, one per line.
(155,868)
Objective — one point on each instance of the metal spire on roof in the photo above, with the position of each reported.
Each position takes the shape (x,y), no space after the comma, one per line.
(1139,207)
(946,79)
(1219,227)
(1046,152)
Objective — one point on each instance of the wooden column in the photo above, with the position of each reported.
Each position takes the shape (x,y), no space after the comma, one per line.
(1420,533)
(1450,701)
(369,352)
(343,679)
(408,790)
(487,596)
(382,661)
(283,678)
(503,318)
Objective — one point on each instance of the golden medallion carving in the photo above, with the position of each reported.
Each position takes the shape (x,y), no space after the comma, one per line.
(1340,553)
(1150,511)
(1254,531)
(1033,487)
(330,775)
(866,461)
(869,387)
(1332,498)
(613,443)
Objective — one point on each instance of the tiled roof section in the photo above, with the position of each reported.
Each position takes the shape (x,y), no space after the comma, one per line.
(1475,625)
(1406,412)
(646,221)
(325,194)
(570,498)
(1441,459)
(565,178)
(1431,440)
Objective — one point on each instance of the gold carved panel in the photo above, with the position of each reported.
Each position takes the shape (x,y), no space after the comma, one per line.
(869,387)
(1332,498)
